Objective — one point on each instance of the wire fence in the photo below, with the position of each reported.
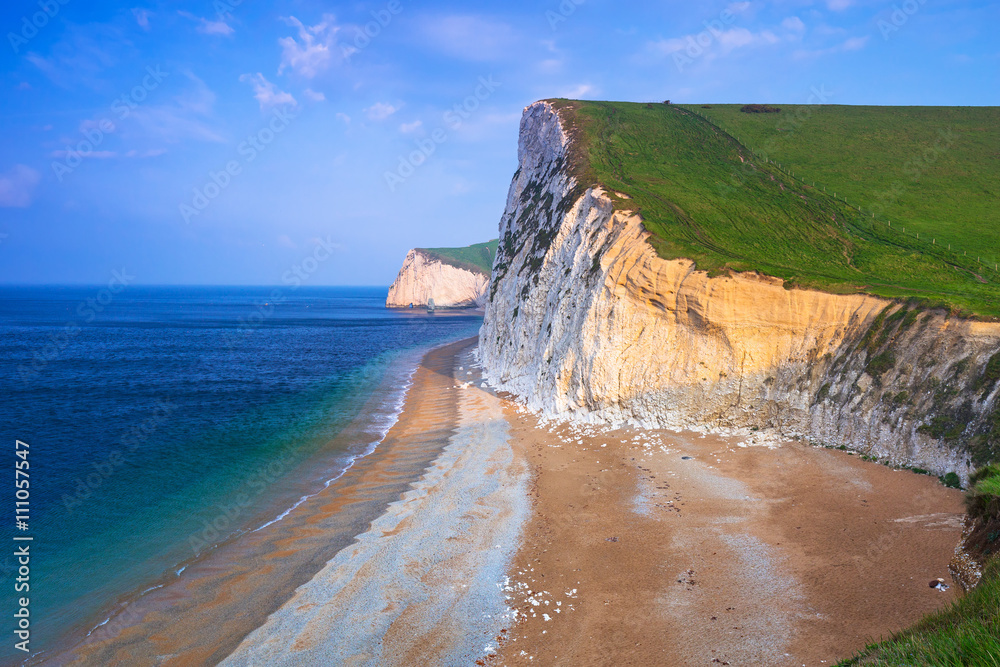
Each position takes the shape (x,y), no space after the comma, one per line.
(983,267)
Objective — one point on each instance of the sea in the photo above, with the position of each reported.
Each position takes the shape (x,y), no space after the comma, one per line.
(161,421)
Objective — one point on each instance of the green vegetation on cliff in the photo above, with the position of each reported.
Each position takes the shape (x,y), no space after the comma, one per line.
(477,257)
(982,502)
(708,197)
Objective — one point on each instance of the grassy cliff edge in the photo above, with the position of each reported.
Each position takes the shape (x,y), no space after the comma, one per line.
(706,196)
(477,257)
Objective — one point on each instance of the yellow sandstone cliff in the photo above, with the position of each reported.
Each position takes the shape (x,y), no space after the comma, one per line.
(585,320)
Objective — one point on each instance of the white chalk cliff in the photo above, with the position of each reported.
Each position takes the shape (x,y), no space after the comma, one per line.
(424,277)
(585,320)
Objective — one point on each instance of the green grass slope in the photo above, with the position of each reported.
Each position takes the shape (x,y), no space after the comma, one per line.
(477,258)
(708,197)
(934,169)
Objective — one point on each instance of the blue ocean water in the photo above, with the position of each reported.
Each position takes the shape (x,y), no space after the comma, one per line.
(148,411)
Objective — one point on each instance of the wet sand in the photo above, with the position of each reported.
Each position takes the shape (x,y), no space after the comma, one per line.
(796,555)
(201,617)
(422,585)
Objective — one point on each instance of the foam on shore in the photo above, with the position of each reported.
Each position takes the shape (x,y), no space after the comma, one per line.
(423,584)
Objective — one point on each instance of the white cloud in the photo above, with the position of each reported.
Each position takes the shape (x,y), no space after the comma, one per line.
(266,93)
(313,95)
(171,123)
(83,56)
(154,152)
(97,155)
(41,63)
(207,27)
(183,118)
(17,186)
(550,65)
(141,17)
(199,98)
(407,128)
(839,5)
(794,23)
(488,125)
(577,92)
(215,28)
(344,117)
(285,241)
(468,37)
(728,40)
(380,111)
(108,155)
(313,51)
(855,43)
(850,44)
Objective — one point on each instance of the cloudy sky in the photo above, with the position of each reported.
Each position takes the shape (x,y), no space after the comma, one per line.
(224,142)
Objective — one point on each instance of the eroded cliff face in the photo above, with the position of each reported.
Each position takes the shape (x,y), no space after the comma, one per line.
(585,320)
(423,277)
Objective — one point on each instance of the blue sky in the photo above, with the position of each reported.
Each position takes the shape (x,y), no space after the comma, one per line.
(228,142)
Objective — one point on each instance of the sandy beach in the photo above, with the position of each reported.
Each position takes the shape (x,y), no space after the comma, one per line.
(421,585)
(659,548)
(477,533)
(558,544)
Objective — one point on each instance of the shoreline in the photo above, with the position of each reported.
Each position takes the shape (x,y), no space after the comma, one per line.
(281,484)
(423,585)
(228,590)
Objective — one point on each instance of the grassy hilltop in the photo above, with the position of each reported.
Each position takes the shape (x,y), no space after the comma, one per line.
(477,257)
(735,191)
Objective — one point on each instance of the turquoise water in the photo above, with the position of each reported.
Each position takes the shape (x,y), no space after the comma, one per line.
(169,419)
